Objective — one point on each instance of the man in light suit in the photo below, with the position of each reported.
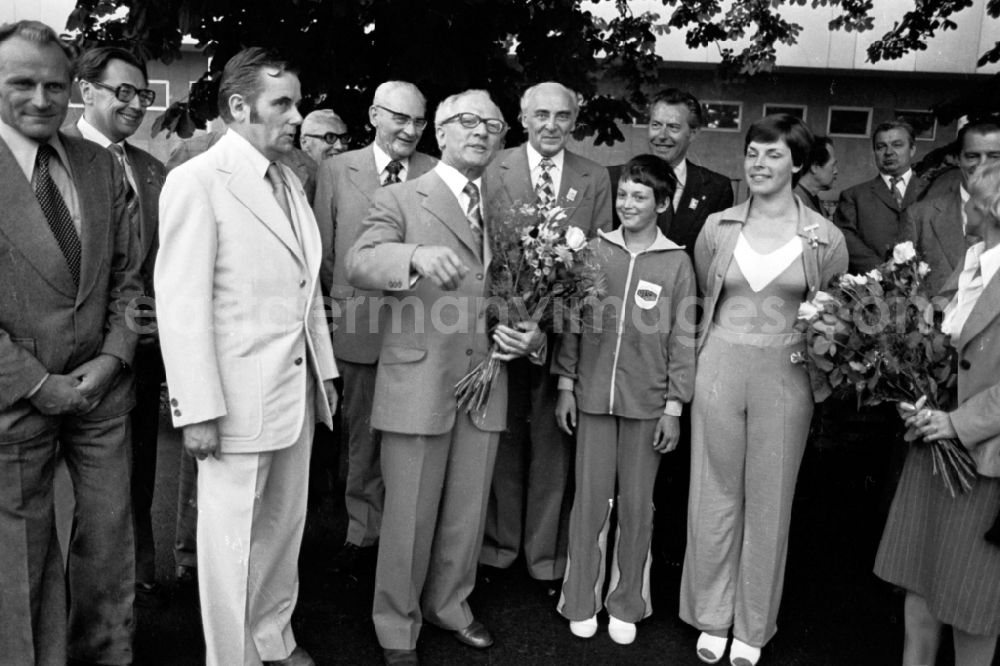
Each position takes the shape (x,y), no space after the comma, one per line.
(324,135)
(69,269)
(346,184)
(532,493)
(248,358)
(675,118)
(113,85)
(937,225)
(871,214)
(424,241)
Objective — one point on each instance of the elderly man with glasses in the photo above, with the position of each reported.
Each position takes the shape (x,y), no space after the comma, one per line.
(324,135)
(424,243)
(346,185)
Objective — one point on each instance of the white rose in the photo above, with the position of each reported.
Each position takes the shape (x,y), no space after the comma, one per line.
(575,238)
(923,269)
(903,252)
(874,274)
(807,311)
(822,298)
(850,280)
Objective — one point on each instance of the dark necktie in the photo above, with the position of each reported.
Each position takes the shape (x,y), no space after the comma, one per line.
(474,216)
(392,170)
(545,187)
(897,196)
(56,213)
(131,200)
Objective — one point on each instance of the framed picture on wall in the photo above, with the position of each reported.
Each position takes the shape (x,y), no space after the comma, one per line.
(849,121)
(924,123)
(723,116)
(797,110)
(162,89)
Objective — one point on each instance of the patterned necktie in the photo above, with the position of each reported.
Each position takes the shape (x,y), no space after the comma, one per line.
(55,211)
(545,188)
(474,216)
(897,196)
(392,170)
(278,189)
(131,200)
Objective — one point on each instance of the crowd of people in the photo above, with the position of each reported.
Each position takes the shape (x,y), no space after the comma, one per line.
(290,282)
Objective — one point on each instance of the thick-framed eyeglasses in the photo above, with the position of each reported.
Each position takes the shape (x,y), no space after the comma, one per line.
(471,120)
(125,93)
(403,119)
(331,138)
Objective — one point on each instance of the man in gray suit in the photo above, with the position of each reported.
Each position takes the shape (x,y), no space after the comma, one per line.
(113,84)
(531,496)
(937,225)
(69,269)
(344,193)
(424,241)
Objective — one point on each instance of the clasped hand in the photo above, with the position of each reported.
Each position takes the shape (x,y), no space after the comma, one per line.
(78,392)
(927,424)
(523,340)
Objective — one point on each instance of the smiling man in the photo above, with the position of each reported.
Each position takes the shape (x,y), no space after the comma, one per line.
(248,358)
(324,135)
(530,499)
(871,214)
(115,93)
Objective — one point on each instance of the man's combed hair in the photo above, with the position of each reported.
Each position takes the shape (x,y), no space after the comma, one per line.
(653,172)
(34,31)
(91,64)
(819,155)
(895,124)
(677,97)
(241,76)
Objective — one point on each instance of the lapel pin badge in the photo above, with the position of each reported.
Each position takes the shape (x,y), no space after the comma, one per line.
(694,203)
(571,195)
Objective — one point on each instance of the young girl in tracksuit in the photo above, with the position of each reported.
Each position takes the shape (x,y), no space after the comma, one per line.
(623,379)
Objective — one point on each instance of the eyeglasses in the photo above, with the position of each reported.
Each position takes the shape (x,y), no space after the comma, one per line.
(331,138)
(125,93)
(402,119)
(471,120)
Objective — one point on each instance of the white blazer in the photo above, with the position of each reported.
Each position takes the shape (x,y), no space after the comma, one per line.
(239,307)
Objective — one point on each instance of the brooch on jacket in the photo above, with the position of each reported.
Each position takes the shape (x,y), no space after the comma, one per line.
(813,239)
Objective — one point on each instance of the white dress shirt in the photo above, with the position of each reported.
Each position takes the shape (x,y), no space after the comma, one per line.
(382,160)
(91,133)
(977,259)
(904,181)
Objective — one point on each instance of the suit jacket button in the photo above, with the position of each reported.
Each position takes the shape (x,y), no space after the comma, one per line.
(468,352)
(302,283)
(964,364)
(479,276)
(173,402)
(177,412)
(298,361)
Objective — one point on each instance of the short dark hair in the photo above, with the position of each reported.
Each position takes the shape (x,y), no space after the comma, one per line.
(653,172)
(675,96)
(819,154)
(35,31)
(895,124)
(91,64)
(241,76)
(979,126)
(784,127)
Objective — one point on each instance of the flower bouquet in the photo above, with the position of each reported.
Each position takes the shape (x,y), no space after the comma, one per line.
(878,336)
(542,271)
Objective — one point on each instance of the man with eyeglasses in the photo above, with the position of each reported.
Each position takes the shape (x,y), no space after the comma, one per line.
(346,185)
(531,497)
(425,243)
(324,135)
(113,85)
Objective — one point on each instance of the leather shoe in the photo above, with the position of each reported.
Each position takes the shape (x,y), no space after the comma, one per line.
(475,635)
(399,657)
(298,657)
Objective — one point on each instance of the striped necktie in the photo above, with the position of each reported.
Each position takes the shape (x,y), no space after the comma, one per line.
(545,187)
(897,196)
(392,170)
(56,213)
(131,200)
(474,216)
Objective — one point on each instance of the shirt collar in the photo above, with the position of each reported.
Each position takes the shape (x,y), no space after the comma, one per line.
(535,158)
(382,160)
(681,172)
(25,149)
(988,261)
(661,242)
(456,180)
(91,133)
(254,157)
(905,179)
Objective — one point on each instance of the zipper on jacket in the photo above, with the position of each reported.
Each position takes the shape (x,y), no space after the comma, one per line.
(621,329)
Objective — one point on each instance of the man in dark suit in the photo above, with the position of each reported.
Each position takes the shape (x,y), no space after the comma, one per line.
(113,84)
(69,270)
(424,241)
(346,184)
(871,214)
(818,174)
(937,224)
(675,117)
(532,493)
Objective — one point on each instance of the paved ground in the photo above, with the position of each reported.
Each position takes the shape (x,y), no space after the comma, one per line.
(835,612)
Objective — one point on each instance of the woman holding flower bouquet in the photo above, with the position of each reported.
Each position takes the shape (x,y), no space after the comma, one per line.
(933,545)
(756,263)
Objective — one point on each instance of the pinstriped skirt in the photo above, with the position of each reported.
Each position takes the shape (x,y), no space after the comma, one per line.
(933,546)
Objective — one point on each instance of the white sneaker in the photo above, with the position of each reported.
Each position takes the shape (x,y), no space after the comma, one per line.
(583,628)
(741,654)
(711,648)
(621,632)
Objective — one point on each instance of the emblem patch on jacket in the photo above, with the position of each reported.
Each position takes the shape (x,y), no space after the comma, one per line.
(647,294)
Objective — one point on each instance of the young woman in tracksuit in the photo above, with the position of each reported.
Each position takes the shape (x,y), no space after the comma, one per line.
(623,380)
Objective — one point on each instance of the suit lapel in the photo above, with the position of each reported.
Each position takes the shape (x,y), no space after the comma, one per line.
(255,194)
(419,165)
(575,178)
(23,222)
(913,190)
(95,210)
(144,190)
(685,215)
(881,191)
(947,226)
(442,204)
(986,309)
(516,177)
(362,174)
